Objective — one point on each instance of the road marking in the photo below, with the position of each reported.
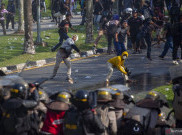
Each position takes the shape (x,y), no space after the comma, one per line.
(51,64)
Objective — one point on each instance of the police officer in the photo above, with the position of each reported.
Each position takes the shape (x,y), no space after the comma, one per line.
(106,112)
(118,105)
(53,123)
(82,120)
(176,76)
(16,120)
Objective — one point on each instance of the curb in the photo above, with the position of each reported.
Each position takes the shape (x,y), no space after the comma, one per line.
(40,63)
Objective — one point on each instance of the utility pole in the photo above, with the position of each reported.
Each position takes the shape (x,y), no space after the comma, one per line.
(39,39)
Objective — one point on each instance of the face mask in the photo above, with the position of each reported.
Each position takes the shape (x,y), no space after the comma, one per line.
(124,57)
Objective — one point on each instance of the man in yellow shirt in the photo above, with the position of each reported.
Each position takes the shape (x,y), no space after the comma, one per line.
(118,63)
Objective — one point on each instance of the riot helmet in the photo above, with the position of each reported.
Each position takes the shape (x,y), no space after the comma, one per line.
(81,100)
(64,97)
(19,90)
(103,95)
(153,95)
(43,97)
(118,95)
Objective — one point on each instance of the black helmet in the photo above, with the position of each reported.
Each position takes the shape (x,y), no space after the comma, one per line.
(19,90)
(82,95)
(43,97)
(64,97)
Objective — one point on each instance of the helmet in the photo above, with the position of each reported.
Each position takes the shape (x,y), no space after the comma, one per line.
(118,95)
(82,95)
(115,17)
(104,95)
(43,97)
(19,90)
(64,97)
(153,95)
(128,10)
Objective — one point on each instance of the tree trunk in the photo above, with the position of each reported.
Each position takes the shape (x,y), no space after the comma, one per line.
(28,43)
(20,17)
(89,21)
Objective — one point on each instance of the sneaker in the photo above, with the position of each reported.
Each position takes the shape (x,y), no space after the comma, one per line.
(70,80)
(52,76)
(107,82)
(161,57)
(175,62)
(139,51)
(149,58)
(94,49)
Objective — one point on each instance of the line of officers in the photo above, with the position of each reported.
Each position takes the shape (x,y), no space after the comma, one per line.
(26,111)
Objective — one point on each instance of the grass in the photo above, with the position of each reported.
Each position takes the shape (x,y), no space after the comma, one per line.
(167,91)
(11,47)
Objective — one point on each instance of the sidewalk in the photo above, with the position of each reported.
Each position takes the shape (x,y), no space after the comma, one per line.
(45,25)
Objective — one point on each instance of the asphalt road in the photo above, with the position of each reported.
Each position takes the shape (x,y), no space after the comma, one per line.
(90,73)
(45,25)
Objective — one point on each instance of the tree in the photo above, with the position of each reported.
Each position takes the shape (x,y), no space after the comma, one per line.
(20,17)
(89,21)
(28,42)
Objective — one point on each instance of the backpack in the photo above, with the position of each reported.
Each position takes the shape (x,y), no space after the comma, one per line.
(142,115)
(112,27)
(73,123)
(177,104)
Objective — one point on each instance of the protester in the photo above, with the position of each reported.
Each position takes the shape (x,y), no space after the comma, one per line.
(102,31)
(118,63)
(2,18)
(135,24)
(98,9)
(120,38)
(112,28)
(10,15)
(63,54)
(145,33)
(169,38)
(176,32)
(63,30)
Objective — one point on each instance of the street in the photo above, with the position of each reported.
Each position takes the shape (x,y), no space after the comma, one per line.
(90,73)
(45,25)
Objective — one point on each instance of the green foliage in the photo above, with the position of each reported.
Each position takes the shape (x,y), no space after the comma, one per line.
(11,47)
